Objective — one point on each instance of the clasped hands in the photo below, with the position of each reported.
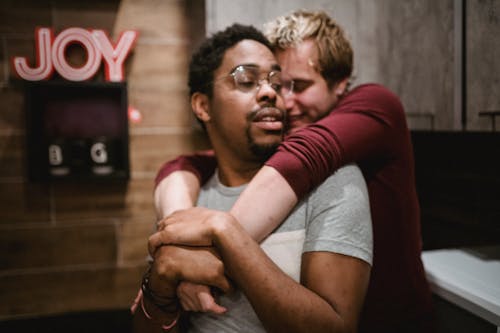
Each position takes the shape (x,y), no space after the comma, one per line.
(185,258)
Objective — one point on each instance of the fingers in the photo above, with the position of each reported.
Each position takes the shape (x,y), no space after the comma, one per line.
(186,294)
(160,225)
(179,216)
(184,216)
(175,234)
(198,298)
(208,303)
(178,234)
(158,239)
(221,282)
(192,227)
(195,264)
(154,242)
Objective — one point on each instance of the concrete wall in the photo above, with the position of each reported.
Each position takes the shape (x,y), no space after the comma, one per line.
(409,46)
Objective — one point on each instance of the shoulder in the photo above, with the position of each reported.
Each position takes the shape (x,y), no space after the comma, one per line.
(338,216)
(374,89)
(346,187)
(347,175)
(372,95)
(374,100)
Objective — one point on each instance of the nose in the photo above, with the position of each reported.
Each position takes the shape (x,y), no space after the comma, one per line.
(265,91)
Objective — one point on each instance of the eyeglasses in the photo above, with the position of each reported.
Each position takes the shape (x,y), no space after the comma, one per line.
(246,79)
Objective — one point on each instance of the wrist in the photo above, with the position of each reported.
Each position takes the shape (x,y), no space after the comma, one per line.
(223,226)
(163,275)
(165,320)
(151,309)
(163,298)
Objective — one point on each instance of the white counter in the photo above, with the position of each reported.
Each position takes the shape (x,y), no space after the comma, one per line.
(468,278)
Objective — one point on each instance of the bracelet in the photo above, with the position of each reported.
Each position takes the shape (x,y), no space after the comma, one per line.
(163,326)
(166,304)
(136,301)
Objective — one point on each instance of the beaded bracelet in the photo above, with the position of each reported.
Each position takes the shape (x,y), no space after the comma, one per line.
(163,326)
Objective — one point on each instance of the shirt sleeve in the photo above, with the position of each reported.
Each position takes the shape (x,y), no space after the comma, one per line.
(202,164)
(365,125)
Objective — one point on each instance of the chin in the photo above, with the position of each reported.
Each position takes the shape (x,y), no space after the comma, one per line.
(264,150)
(267,143)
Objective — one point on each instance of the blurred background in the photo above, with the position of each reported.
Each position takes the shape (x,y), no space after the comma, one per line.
(75,250)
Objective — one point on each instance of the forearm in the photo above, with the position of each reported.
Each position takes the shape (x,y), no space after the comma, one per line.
(177,191)
(366,125)
(281,304)
(177,183)
(264,203)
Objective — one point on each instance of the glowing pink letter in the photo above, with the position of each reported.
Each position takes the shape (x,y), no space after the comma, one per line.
(83,37)
(44,69)
(114,56)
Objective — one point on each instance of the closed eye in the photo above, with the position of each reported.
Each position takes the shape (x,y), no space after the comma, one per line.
(301,85)
(247,84)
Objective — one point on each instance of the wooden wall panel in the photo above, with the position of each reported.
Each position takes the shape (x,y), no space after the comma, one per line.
(75,246)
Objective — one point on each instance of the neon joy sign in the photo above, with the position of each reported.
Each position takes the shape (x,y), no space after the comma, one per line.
(50,55)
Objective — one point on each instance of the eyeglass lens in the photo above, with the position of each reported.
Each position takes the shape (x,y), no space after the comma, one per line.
(247,79)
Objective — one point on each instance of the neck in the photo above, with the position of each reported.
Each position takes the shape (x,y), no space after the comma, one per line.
(236,173)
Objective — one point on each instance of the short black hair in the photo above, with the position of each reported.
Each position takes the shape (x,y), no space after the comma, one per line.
(208,58)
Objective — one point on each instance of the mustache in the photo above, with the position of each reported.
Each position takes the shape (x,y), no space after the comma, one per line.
(267,111)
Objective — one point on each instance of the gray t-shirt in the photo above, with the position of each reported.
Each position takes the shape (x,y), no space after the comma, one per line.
(335,217)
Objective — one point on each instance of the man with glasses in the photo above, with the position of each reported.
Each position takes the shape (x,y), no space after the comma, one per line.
(311,274)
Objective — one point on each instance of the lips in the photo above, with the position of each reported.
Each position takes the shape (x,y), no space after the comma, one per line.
(268,114)
(269,118)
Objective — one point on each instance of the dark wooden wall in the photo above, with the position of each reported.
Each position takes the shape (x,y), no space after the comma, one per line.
(458,182)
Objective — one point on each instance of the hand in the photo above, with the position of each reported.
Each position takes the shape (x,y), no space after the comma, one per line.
(192,227)
(201,265)
(198,298)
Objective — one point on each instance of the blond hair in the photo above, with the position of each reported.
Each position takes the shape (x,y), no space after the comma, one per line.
(335,55)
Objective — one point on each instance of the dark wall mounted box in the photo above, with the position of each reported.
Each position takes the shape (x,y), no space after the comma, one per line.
(77,130)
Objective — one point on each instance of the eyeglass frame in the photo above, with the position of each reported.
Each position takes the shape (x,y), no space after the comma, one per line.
(259,82)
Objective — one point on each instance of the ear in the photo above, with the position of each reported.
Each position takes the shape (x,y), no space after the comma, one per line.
(341,87)
(200,106)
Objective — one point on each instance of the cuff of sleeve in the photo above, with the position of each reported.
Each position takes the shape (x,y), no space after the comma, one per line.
(168,169)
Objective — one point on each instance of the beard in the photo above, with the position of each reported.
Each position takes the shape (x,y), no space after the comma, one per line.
(261,151)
